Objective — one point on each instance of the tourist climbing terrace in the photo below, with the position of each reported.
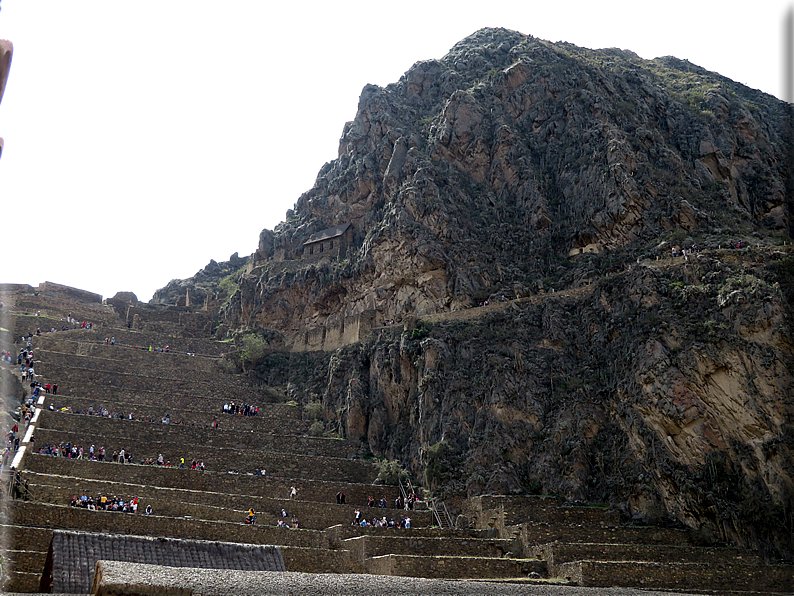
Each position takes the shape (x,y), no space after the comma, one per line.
(132,421)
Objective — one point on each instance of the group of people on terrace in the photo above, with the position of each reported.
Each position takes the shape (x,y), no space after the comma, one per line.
(240,409)
(73,451)
(107,503)
(677,251)
(102,411)
(399,503)
(382,522)
(150,348)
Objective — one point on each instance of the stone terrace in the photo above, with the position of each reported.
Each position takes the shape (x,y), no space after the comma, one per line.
(527,539)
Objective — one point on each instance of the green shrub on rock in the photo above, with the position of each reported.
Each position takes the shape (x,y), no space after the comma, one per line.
(390,472)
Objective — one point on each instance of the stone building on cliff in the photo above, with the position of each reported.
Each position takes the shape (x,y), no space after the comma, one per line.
(332,242)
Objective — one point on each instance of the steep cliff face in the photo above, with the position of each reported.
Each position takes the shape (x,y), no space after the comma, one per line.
(662,387)
(476,174)
(663,390)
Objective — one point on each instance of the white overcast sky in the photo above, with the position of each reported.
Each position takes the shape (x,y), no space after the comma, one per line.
(144,138)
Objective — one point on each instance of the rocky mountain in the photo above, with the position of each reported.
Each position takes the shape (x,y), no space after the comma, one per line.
(479,173)
(212,282)
(552,177)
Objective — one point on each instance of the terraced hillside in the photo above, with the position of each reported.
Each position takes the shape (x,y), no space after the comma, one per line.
(252,462)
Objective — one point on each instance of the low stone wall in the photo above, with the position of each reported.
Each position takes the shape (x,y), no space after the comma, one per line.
(453,567)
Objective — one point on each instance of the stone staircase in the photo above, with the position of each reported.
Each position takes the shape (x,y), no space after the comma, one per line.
(526,539)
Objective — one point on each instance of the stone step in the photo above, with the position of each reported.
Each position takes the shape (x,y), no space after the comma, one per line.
(440,567)
(71,472)
(558,553)
(680,576)
(535,534)
(54,428)
(272,417)
(241,457)
(363,547)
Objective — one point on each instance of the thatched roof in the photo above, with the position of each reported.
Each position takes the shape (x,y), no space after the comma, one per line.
(73,556)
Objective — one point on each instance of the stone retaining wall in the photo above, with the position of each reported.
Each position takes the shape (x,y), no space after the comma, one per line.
(20,581)
(558,553)
(216,506)
(453,567)
(241,458)
(209,408)
(536,534)
(33,539)
(504,511)
(164,505)
(26,561)
(95,339)
(72,518)
(681,576)
(363,547)
(152,364)
(98,384)
(272,418)
(310,560)
(312,488)
(337,534)
(54,427)
(334,334)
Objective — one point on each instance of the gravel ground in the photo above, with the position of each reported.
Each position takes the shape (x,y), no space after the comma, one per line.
(119,579)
